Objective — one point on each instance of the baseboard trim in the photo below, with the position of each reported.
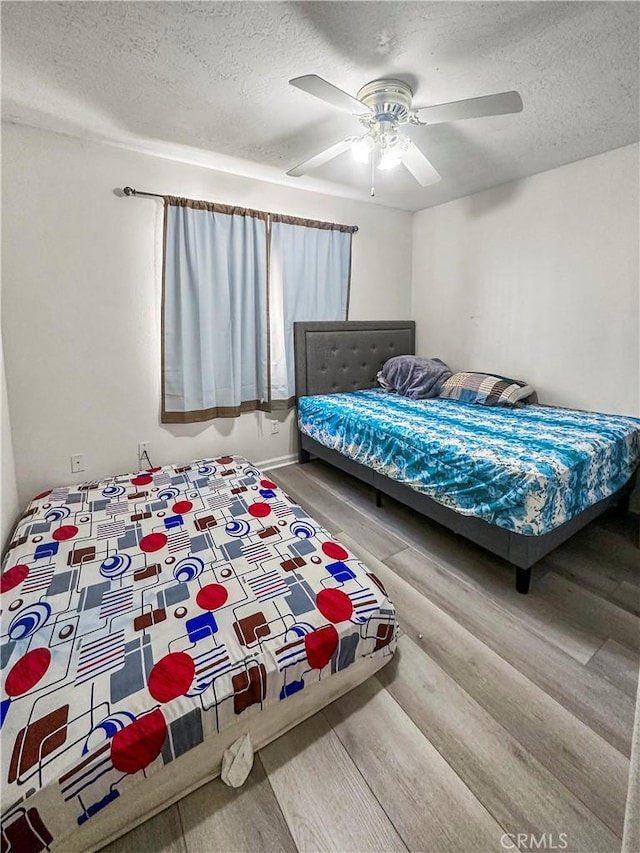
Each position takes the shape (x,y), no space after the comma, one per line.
(278,462)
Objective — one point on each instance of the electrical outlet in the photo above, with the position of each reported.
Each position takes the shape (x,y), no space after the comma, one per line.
(275,427)
(77,462)
(143,448)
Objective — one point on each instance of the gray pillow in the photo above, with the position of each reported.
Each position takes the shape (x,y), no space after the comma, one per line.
(415,377)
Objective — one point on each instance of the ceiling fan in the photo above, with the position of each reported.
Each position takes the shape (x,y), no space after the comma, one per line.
(384,109)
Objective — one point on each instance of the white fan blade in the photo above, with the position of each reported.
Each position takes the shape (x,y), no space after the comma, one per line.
(329,93)
(321,158)
(420,167)
(488,105)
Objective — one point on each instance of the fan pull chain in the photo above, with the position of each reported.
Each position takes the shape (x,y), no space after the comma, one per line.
(373,173)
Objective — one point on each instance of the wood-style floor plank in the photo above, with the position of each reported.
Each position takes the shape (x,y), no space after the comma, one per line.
(335,516)
(490,575)
(612,544)
(627,595)
(344,488)
(569,561)
(603,617)
(408,775)
(593,699)
(160,834)
(245,820)
(326,802)
(618,665)
(512,785)
(582,760)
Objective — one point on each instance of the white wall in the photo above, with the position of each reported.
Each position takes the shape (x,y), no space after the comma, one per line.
(8,488)
(539,279)
(9,506)
(81,293)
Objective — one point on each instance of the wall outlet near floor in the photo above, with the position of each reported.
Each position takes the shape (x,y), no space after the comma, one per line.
(143,448)
(275,427)
(77,462)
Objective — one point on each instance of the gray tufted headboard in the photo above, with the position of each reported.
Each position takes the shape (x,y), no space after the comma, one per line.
(334,357)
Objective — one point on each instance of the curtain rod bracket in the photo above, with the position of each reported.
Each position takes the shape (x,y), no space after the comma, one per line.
(129,191)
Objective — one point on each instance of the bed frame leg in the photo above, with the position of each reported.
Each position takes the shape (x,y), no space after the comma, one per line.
(622,506)
(378,498)
(303,456)
(523,578)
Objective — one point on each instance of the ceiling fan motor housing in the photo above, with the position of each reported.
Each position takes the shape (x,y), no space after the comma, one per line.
(389,100)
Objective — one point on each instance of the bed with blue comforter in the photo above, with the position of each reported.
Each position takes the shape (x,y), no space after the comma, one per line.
(518,482)
(526,470)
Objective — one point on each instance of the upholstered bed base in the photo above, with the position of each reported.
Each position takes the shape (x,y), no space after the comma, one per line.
(337,357)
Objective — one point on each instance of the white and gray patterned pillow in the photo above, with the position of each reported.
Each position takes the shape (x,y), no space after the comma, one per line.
(486,390)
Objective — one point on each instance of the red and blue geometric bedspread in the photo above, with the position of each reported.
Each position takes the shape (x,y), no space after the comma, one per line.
(144,613)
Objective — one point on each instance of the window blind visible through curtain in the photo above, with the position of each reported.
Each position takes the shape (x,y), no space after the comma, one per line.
(234,282)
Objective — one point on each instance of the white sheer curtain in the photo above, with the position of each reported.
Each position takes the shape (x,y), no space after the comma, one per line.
(308,280)
(214,311)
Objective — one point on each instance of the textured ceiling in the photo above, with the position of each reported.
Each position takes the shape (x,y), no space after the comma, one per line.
(207,82)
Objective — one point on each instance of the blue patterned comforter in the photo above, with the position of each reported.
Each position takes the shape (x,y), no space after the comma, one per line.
(528,470)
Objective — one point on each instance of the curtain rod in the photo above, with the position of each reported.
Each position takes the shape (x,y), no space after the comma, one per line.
(129,191)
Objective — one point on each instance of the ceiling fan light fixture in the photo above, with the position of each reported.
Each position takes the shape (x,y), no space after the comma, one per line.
(362,148)
(388,160)
(393,151)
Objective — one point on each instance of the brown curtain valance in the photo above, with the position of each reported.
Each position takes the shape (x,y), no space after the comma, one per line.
(312,223)
(214,207)
(232,210)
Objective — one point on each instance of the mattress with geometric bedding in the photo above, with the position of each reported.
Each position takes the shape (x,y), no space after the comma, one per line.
(145,613)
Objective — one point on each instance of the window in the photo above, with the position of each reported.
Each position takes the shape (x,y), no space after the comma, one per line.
(234,282)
